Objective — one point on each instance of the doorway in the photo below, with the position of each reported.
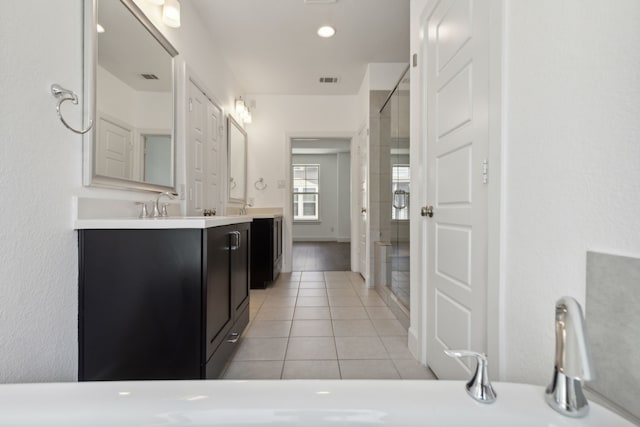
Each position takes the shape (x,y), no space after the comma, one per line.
(321,204)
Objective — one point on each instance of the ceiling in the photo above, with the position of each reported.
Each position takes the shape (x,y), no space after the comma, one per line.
(272,46)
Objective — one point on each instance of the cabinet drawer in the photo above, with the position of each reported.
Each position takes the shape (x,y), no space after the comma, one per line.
(227,347)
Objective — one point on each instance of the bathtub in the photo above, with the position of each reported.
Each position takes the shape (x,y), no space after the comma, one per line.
(281,403)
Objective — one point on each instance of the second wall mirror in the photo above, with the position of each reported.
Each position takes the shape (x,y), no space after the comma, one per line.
(237,161)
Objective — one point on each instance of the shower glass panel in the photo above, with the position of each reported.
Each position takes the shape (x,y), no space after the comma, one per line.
(395,165)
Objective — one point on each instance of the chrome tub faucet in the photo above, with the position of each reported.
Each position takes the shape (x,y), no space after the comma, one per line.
(572,361)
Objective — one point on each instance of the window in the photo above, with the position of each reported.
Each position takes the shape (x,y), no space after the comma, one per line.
(306,180)
(401,184)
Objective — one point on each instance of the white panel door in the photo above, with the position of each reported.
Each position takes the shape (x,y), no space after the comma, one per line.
(113,150)
(212,167)
(457,84)
(196,146)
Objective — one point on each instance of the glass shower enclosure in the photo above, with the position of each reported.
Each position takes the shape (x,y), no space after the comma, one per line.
(395,184)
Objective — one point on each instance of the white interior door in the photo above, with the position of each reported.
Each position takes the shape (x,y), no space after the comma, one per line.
(113,150)
(457,83)
(196,147)
(363,203)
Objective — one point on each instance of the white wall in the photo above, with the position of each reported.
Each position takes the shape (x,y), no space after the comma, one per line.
(40,172)
(276,119)
(334,203)
(572,167)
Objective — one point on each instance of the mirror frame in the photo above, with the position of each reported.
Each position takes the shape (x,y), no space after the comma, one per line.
(231,124)
(90,50)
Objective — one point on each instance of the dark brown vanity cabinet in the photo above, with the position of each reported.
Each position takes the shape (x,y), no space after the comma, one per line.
(161,303)
(266,251)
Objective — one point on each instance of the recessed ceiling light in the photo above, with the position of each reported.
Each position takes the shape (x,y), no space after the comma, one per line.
(326,31)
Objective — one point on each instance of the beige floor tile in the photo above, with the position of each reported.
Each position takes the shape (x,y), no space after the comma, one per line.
(397,347)
(348,313)
(275,301)
(254,370)
(339,285)
(312,313)
(282,292)
(380,313)
(312,293)
(277,313)
(261,349)
(282,284)
(373,301)
(312,328)
(354,328)
(345,302)
(360,348)
(312,285)
(311,369)
(312,302)
(337,292)
(368,369)
(269,329)
(412,370)
(389,327)
(311,348)
(312,276)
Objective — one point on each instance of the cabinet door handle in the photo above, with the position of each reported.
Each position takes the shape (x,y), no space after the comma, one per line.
(233,337)
(239,239)
(235,241)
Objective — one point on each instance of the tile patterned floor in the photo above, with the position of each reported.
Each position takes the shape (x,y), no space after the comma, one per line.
(322,325)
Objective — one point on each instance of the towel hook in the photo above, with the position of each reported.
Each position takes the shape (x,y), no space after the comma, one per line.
(63,95)
(260,185)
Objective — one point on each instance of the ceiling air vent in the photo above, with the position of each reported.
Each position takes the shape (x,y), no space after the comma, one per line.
(149,76)
(328,80)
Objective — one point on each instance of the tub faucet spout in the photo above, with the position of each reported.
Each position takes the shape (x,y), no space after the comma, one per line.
(572,361)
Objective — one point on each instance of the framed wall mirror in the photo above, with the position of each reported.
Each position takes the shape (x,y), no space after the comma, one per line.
(130,88)
(237,161)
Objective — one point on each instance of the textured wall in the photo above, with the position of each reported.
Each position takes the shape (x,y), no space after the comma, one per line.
(572,175)
(40,166)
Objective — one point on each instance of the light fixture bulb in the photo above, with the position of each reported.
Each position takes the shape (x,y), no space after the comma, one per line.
(99,28)
(247,116)
(156,2)
(326,31)
(241,108)
(171,13)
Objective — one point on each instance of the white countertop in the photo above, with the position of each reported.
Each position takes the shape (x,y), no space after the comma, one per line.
(160,223)
(265,215)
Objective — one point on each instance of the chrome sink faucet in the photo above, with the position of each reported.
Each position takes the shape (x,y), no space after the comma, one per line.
(161,212)
(243,210)
(572,361)
(479,387)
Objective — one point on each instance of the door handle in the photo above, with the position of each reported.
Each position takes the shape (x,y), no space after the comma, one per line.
(363,210)
(427,211)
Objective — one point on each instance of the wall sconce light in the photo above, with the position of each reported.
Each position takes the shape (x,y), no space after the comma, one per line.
(171,13)
(242,110)
(247,116)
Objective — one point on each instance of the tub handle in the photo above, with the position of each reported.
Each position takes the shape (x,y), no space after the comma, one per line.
(479,387)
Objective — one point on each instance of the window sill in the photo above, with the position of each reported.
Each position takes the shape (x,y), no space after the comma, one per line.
(307,221)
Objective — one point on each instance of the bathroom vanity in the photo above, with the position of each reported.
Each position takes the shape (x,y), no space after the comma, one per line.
(161,298)
(266,251)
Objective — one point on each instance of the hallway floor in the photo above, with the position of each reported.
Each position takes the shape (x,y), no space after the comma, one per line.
(321,256)
(322,325)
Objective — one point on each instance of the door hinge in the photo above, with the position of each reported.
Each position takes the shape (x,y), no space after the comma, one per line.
(485,171)
(190,105)
(415,59)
